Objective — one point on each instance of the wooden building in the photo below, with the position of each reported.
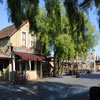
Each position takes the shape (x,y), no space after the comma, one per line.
(98,65)
(19,53)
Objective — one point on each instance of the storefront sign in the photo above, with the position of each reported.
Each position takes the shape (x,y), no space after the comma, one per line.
(25,50)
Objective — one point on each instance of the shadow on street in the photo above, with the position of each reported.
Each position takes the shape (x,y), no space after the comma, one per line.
(43,91)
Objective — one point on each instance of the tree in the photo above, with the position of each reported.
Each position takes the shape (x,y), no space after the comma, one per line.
(54,16)
(53,27)
(73,6)
(51,36)
(43,28)
(65,47)
(21,10)
(71,40)
(64,44)
(91,37)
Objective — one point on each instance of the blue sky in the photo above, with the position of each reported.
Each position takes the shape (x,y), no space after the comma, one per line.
(3,16)
(93,18)
(4,20)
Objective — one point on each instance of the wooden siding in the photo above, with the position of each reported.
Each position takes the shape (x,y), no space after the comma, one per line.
(5,46)
(15,39)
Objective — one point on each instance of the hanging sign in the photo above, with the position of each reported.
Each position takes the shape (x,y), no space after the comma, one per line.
(23,50)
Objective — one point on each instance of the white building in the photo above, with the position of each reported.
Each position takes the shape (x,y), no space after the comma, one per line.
(87,63)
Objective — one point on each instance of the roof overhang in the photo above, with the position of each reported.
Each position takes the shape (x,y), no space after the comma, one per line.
(4,56)
(28,56)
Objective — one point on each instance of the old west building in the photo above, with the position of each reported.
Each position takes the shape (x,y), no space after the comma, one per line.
(87,63)
(19,53)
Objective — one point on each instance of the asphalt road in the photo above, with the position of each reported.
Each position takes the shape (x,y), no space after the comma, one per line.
(60,88)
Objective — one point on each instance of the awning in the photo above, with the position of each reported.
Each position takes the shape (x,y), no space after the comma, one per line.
(27,56)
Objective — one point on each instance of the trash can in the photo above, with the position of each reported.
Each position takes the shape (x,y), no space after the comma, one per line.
(88,72)
(70,72)
(74,72)
(94,93)
(77,75)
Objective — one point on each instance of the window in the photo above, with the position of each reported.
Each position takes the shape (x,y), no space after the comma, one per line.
(33,40)
(23,38)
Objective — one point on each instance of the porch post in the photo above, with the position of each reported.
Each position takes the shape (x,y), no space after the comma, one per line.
(94,66)
(35,68)
(30,65)
(20,67)
(9,69)
(13,60)
(41,70)
(3,71)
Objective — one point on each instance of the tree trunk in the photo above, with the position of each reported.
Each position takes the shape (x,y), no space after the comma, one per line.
(54,71)
(62,67)
(58,66)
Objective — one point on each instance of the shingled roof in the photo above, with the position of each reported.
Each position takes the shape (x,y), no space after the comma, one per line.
(10,30)
(7,31)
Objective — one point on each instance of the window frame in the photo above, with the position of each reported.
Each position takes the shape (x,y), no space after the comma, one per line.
(22,38)
(33,41)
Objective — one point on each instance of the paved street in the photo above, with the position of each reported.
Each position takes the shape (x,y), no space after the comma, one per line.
(60,88)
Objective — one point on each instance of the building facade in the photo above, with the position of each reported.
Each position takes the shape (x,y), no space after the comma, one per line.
(88,63)
(19,46)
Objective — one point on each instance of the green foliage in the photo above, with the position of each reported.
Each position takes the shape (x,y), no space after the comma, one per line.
(21,10)
(82,31)
(54,16)
(72,38)
(91,36)
(90,39)
(43,28)
(64,47)
(62,42)
(66,29)
(72,7)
